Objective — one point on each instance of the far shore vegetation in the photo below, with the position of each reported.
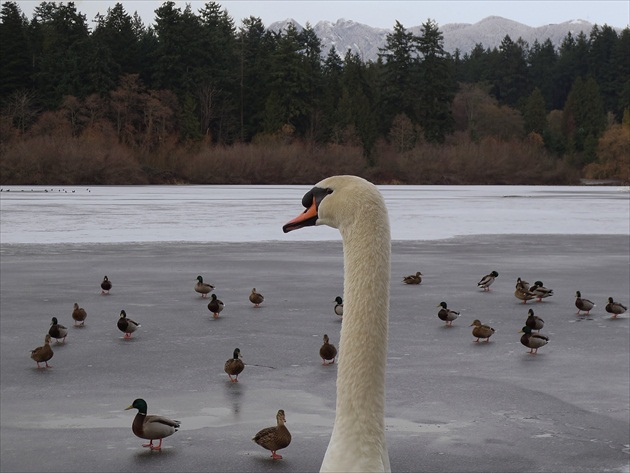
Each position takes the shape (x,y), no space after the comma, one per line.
(194,99)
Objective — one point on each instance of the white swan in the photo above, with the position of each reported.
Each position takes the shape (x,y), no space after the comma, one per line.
(356,207)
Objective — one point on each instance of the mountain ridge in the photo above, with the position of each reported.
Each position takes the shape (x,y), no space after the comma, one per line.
(366,40)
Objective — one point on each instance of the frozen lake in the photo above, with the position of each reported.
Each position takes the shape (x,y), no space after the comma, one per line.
(256,213)
(453,405)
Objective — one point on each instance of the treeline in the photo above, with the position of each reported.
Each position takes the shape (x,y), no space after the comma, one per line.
(193,98)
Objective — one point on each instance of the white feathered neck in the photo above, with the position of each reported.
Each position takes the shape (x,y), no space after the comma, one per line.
(358,210)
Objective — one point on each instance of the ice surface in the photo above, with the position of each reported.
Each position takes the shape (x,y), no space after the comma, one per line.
(257,213)
(453,405)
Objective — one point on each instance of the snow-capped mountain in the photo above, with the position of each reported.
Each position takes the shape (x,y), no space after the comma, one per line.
(366,40)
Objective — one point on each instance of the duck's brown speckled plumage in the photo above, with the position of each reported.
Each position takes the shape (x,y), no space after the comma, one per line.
(79,314)
(413,278)
(256,298)
(327,351)
(481,331)
(44,353)
(274,438)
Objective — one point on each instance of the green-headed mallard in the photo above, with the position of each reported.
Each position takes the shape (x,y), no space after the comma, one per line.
(256,298)
(533,341)
(57,331)
(44,353)
(446,314)
(615,308)
(327,351)
(481,331)
(583,304)
(485,282)
(151,427)
(339,306)
(533,321)
(106,285)
(79,314)
(203,288)
(125,325)
(540,291)
(215,306)
(274,438)
(413,278)
(234,366)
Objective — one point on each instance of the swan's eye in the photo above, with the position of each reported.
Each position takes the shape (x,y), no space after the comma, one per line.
(329,191)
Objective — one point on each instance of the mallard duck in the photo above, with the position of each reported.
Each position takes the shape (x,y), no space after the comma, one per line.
(339,306)
(523,295)
(274,438)
(446,314)
(256,298)
(522,285)
(583,304)
(203,288)
(413,278)
(106,285)
(79,314)
(57,331)
(215,306)
(125,325)
(540,291)
(327,351)
(615,308)
(533,321)
(533,341)
(44,353)
(151,427)
(485,282)
(234,366)
(481,331)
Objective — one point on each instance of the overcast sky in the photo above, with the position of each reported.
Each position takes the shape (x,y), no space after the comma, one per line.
(384,13)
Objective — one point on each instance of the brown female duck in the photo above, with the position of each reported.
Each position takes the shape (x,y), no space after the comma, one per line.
(44,353)
(79,315)
(274,438)
(328,351)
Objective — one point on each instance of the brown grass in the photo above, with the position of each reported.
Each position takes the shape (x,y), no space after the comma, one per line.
(53,156)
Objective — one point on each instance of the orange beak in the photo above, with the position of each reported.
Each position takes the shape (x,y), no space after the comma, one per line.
(305,219)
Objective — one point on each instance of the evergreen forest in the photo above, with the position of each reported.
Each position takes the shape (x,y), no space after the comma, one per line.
(195,99)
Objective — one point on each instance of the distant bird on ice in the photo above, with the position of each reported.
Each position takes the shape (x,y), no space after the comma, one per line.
(328,351)
(203,288)
(44,353)
(256,298)
(486,281)
(106,285)
(583,304)
(125,325)
(151,427)
(615,308)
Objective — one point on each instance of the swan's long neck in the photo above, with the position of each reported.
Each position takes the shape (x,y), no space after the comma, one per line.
(358,440)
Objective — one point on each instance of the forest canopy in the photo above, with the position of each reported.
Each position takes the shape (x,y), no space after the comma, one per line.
(192,98)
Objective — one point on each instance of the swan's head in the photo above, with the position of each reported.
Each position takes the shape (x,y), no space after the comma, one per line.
(335,202)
